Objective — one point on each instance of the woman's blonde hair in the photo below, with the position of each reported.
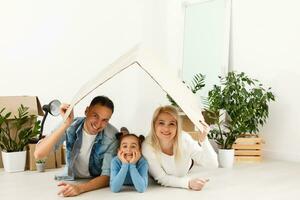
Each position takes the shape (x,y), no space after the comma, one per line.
(154,141)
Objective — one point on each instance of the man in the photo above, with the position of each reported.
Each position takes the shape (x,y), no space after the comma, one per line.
(90,146)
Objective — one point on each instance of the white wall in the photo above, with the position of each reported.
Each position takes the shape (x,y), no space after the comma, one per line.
(266,45)
(50,48)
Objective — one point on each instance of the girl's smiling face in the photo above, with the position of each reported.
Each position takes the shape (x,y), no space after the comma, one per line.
(129,144)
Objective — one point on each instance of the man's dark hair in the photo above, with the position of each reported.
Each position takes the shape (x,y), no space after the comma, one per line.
(103,101)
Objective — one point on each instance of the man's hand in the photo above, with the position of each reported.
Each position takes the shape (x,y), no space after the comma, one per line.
(69,190)
(45,146)
(197,183)
(136,156)
(63,109)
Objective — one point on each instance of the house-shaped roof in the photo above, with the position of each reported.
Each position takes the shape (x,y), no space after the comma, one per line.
(146,60)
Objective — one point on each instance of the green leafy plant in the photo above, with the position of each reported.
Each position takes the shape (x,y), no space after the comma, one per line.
(196,85)
(40,161)
(238,106)
(23,132)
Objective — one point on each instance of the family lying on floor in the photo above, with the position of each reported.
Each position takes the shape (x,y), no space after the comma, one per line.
(96,150)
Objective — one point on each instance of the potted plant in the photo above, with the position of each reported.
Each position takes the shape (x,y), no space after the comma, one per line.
(40,165)
(238,106)
(15,134)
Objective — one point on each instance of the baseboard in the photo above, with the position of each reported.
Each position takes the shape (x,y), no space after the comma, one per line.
(286,156)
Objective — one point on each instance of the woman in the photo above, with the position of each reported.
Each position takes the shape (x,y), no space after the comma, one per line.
(171,153)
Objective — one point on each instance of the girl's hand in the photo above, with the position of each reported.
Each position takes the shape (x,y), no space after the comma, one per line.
(197,183)
(121,156)
(135,158)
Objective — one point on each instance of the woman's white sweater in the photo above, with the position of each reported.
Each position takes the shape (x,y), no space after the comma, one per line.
(169,172)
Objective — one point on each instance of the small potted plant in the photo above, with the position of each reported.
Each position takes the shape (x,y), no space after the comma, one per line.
(238,106)
(40,165)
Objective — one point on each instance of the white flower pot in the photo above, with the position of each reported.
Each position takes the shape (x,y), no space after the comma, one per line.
(14,161)
(40,167)
(226,158)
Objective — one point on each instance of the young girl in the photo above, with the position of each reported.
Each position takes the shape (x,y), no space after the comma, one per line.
(129,167)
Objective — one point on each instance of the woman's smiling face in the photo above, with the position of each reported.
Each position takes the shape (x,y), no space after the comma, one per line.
(165,127)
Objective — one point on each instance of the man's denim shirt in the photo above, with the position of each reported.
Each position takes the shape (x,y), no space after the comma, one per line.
(103,150)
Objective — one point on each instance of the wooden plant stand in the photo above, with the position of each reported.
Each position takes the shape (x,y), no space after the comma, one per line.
(248,149)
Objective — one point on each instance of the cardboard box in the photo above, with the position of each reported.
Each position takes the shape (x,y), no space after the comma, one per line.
(194,134)
(12,103)
(63,155)
(1,164)
(187,124)
(53,160)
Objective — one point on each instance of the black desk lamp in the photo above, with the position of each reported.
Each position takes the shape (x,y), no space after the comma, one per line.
(53,109)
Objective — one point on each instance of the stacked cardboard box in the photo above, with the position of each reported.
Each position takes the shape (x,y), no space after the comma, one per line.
(54,160)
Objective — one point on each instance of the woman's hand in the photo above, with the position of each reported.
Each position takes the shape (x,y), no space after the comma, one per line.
(203,134)
(197,183)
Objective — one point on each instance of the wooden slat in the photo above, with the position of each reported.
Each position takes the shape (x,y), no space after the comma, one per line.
(247,152)
(241,146)
(248,158)
(248,141)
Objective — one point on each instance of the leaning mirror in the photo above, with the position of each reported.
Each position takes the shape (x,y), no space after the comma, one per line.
(206,40)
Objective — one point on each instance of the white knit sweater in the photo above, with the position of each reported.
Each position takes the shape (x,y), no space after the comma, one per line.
(168,172)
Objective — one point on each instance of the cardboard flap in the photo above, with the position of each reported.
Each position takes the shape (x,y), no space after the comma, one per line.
(168,82)
(172,85)
(107,73)
(12,103)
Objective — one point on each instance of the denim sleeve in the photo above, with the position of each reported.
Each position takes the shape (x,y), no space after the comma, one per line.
(117,175)
(108,156)
(139,175)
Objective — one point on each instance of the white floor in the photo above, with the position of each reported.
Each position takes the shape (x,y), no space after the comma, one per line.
(269,180)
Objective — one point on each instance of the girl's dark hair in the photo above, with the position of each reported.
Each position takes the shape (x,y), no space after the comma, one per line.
(140,138)
(103,101)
